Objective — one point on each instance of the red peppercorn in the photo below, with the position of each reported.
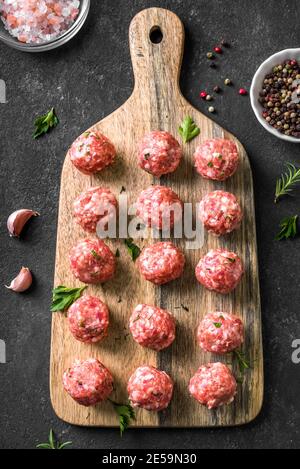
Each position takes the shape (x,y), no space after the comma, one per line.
(243,92)
(218,50)
(203,94)
(293,62)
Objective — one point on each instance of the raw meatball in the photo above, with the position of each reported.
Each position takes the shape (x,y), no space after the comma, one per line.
(213,385)
(92,152)
(161,262)
(92,261)
(88,319)
(94,205)
(150,388)
(88,382)
(220,212)
(217,159)
(159,153)
(152,327)
(153,206)
(220,270)
(220,333)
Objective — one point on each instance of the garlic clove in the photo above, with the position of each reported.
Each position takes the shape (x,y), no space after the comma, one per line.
(17,220)
(22,281)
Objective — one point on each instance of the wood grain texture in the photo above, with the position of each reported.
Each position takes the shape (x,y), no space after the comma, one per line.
(157,103)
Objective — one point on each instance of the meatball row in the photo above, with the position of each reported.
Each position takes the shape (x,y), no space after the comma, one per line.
(158,153)
(89,382)
(93,262)
(158,207)
(154,327)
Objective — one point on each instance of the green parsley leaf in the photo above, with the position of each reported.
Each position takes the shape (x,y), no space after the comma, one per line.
(210,164)
(63,445)
(132,248)
(44,123)
(63,297)
(53,443)
(95,255)
(125,413)
(188,129)
(288,228)
(218,325)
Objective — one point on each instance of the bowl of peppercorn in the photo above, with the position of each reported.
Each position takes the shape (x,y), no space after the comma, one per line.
(275,95)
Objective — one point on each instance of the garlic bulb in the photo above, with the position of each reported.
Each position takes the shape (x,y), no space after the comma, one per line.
(17,220)
(22,281)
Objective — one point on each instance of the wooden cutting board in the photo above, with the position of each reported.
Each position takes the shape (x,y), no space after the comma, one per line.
(157,103)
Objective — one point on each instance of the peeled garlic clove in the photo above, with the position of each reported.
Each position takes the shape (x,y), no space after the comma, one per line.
(22,281)
(17,220)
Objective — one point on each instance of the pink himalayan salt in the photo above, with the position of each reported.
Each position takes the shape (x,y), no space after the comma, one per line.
(38,21)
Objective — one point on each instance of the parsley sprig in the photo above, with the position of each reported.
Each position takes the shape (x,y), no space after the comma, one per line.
(132,249)
(44,123)
(63,297)
(288,228)
(53,443)
(188,129)
(125,413)
(285,183)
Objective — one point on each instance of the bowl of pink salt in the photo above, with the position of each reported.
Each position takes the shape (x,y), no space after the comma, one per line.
(41,25)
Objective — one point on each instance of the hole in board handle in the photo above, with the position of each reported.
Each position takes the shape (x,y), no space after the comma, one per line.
(156,35)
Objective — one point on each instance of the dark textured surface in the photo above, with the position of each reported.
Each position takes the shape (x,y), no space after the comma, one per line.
(86,80)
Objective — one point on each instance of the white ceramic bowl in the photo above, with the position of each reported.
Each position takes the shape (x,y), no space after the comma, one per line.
(256,86)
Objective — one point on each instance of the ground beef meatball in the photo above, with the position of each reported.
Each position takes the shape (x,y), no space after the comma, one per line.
(161,262)
(220,333)
(220,270)
(220,212)
(94,205)
(92,152)
(88,382)
(159,153)
(150,388)
(159,207)
(88,319)
(217,159)
(213,385)
(152,327)
(92,261)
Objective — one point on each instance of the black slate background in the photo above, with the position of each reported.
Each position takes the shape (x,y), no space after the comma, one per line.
(86,80)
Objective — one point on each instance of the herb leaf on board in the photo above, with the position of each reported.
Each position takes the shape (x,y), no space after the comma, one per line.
(53,443)
(125,413)
(63,297)
(285,183)
(288,228)
(132,248)
(44,123)
(188,129)
(242,362)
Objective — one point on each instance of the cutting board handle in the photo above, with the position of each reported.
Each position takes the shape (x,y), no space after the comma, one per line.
(156,38)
